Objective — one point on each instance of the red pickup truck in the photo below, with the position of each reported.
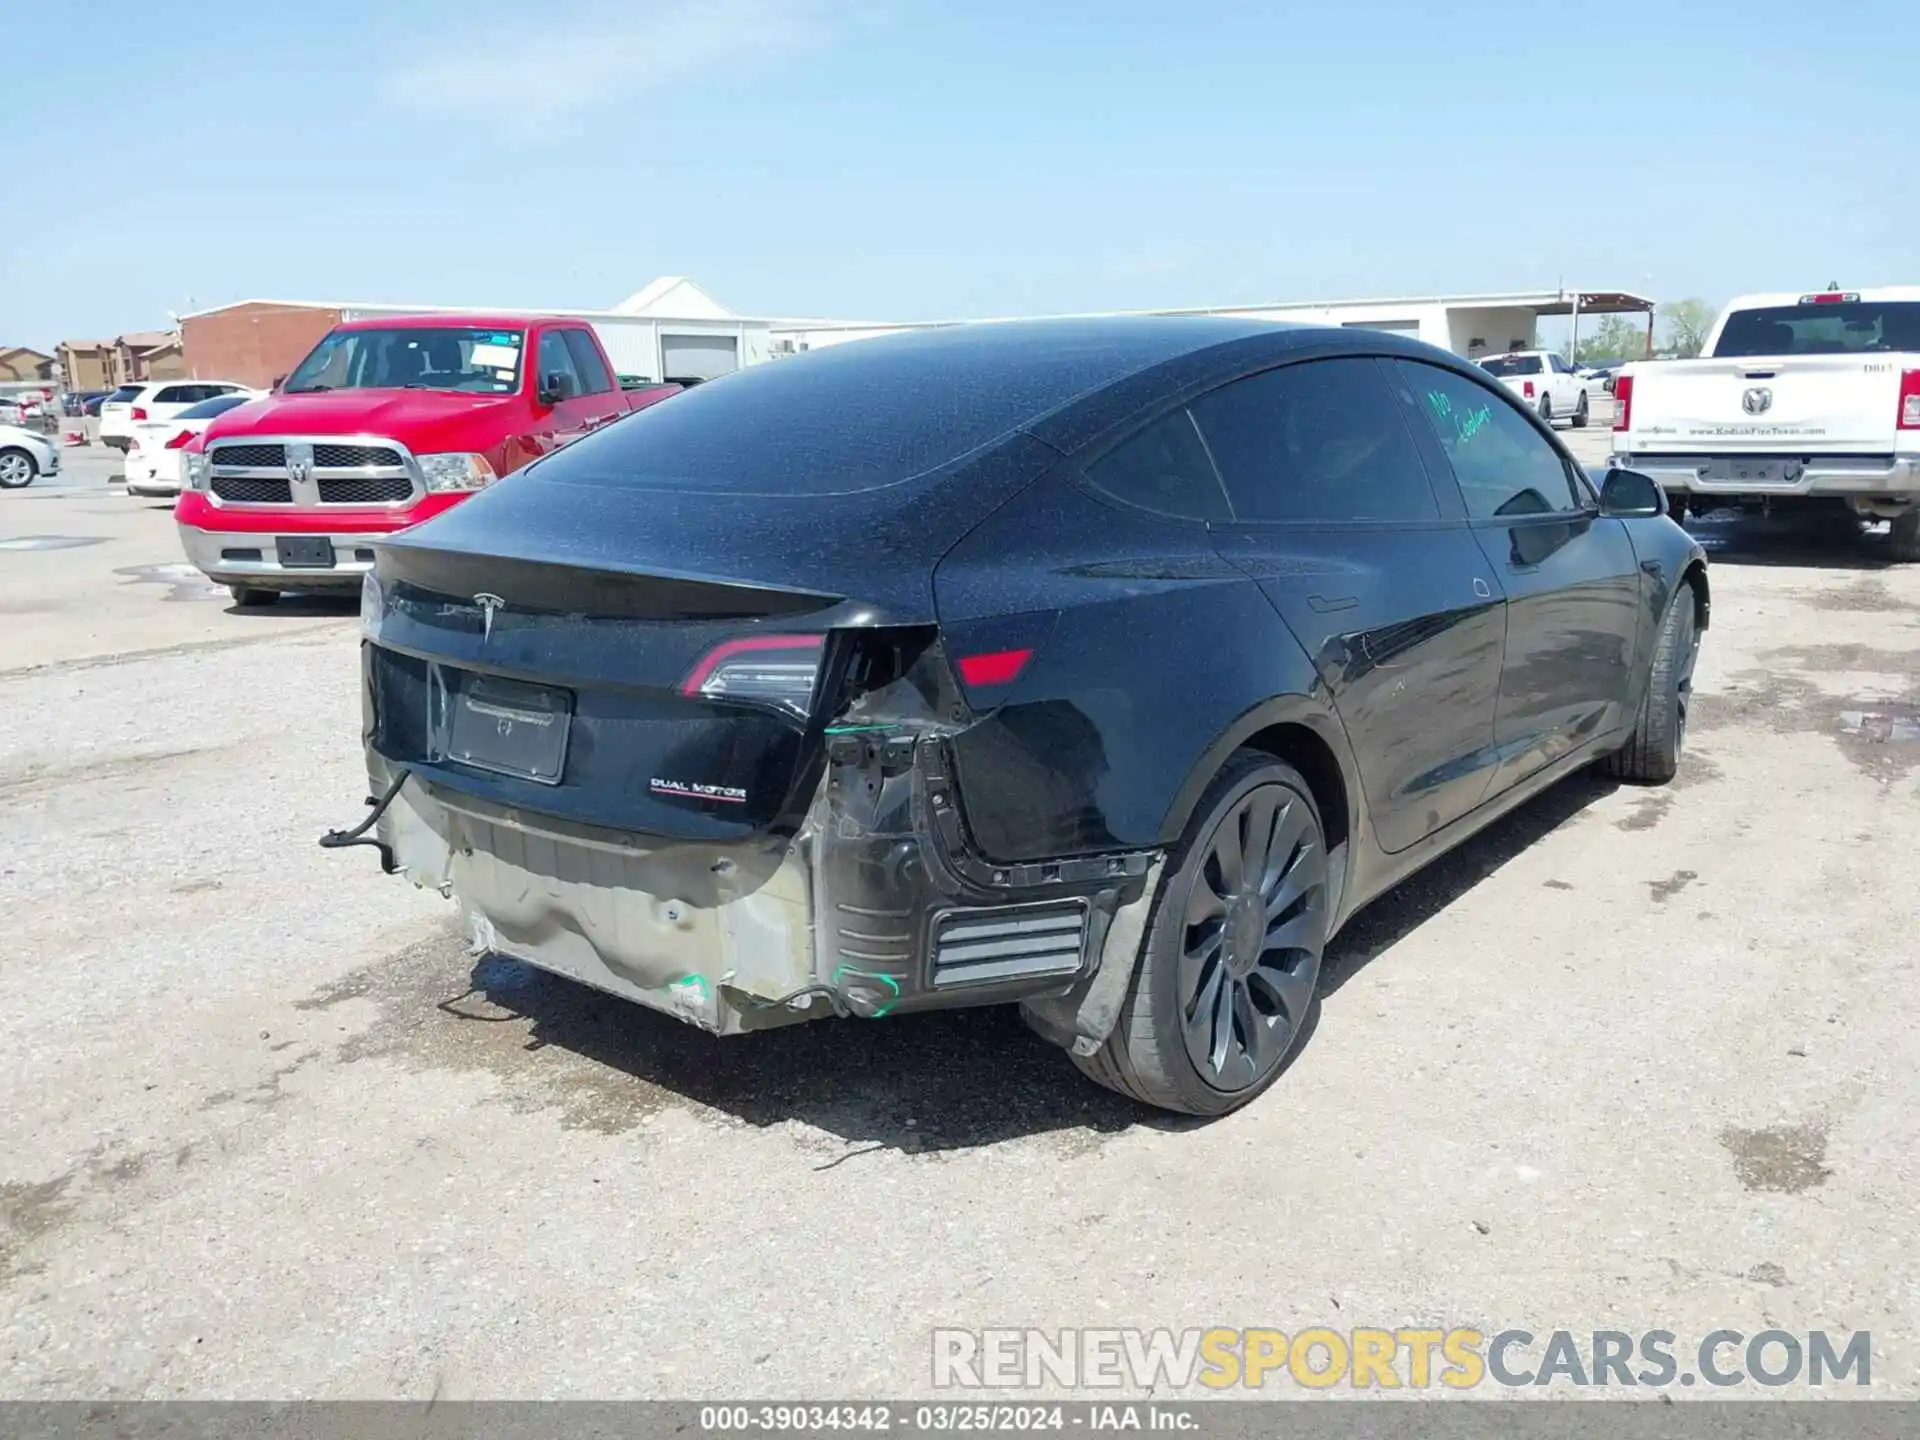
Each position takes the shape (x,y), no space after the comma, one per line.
(385,423)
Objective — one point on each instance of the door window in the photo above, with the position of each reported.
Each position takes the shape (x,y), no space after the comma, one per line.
(1323,440)
(1506,467)
(594,379)
(556,364)
(1163,468)
(178,395)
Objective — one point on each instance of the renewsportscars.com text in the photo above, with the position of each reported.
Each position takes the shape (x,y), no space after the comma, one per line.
(1319,1358)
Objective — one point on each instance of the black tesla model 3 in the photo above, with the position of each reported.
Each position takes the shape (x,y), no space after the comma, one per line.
(1107,667)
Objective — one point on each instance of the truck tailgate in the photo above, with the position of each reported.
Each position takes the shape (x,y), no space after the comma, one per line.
(1839,404)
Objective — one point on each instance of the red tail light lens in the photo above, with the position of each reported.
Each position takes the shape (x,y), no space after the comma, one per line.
(177,441)
(139,412)
(1526,388)
(1622,401)
(765,669)
(999,667)
(1910,400)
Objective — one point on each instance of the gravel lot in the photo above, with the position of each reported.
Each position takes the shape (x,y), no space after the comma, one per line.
(1634,1058)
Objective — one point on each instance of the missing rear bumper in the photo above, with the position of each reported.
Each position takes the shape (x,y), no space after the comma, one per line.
(876,906)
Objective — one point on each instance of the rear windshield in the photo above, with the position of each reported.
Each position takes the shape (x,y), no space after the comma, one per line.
(475,360)
(1844,328)
(124,393)
(851,417)
(1505,365)
(207,409)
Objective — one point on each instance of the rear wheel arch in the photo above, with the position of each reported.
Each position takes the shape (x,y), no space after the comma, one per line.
(1295,730)
(1694,576)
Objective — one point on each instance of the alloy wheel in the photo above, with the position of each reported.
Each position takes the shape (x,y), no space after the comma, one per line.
(1683,681)
(1255,928)
(15,469)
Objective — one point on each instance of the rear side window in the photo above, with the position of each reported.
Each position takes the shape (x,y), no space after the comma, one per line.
(1323,440)
(1506,468)
(587,363)
(178,395)
(1163,468)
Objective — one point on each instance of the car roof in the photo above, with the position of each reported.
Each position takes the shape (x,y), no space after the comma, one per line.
(443,321)
(1870,293)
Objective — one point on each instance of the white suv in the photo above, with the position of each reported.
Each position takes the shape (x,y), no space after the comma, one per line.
(1545,382)
(158,400)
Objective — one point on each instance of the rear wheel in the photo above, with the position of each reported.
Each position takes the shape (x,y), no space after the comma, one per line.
(1580,412)
(1546,411)
(1677,506)
(249,597)
(1227,972)
(1904,534)
(1651,755)
(17,468)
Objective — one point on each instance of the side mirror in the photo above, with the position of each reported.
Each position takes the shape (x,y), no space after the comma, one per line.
(555,387)
(1627,494)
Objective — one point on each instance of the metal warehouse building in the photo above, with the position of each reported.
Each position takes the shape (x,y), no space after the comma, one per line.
(672,329)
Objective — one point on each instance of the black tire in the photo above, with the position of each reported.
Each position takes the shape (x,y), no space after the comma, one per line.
(1651,755)
(1580,412)
(1677,503)
(1546,411)
(1262,962)
(249,597)
(1904,535)
(18,468)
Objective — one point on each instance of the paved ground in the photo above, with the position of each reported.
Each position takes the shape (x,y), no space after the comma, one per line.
(1635,1058)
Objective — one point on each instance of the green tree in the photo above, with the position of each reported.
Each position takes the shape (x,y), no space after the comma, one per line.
(1613,337)
(1687,323)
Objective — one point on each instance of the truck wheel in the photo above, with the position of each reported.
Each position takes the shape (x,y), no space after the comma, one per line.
(248,597)
(17,468)
(1651,755)
(1546,411)
(1904,533)
(1580,412)
(1677,506)
(1227,971)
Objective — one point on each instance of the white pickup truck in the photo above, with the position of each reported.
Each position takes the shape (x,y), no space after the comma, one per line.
(1796,399)
(1544,382)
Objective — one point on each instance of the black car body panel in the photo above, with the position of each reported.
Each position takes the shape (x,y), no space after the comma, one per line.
(866,686)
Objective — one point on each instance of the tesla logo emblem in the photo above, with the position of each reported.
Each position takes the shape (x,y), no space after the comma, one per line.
(488,605)
(299,463)
(1757,401)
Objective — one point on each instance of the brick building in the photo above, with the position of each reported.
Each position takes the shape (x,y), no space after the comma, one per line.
(255,342)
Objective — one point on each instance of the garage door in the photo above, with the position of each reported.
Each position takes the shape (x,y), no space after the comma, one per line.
(698,357)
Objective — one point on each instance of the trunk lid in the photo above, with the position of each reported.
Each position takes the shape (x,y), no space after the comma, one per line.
(1809,404)
(685,652)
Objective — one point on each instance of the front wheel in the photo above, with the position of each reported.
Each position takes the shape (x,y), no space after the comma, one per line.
(1651,755)
(1580,412)
(1228,968)
(17,468)
(1904,535)
(249,597)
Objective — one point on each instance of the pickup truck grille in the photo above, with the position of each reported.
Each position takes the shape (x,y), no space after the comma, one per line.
(388,491)
(252,492)
(354,457)
(325,470)
(253,457)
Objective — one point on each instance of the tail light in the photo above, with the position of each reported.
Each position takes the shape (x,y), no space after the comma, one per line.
(776,670)
(139,412)
(997,667)
(1622,401)
(1526,388)
(1910,400)
(182,438)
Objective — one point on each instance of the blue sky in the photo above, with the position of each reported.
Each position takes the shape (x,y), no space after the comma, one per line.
(900,159)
